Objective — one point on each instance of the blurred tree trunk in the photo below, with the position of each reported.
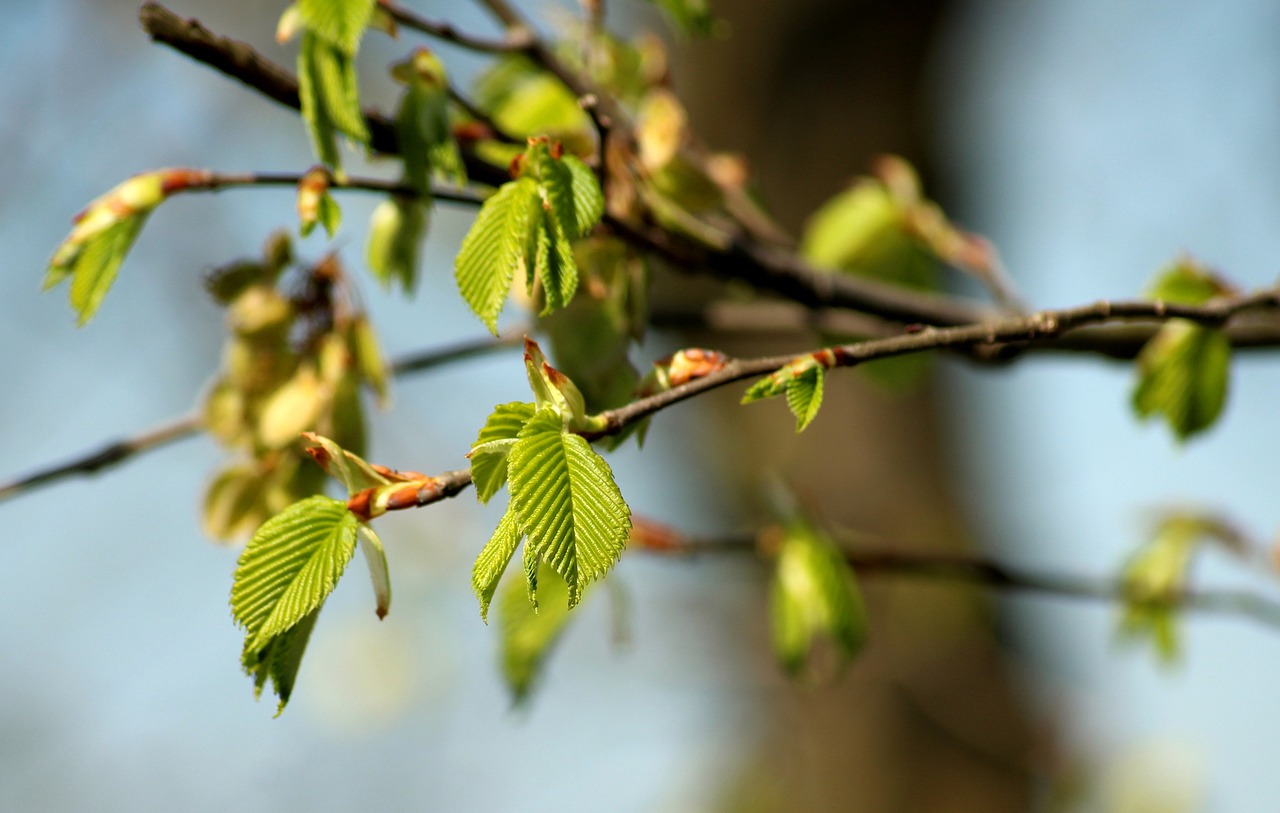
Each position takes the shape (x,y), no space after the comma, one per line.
(928,718)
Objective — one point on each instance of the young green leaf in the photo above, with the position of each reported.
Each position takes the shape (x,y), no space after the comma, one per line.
(422,124)
(489,452)
(315,204)
(330,97)
(347,468)
(499,245)
(804,396)
(814,593)
(567,502)
(280,660)
(1183,374)
(290,567)
(1157,575)
(493,559)
(340,23)
(104,232)
(396,230)
(527,635)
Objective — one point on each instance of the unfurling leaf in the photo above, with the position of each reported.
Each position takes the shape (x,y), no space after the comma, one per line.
(814,594)
(280,660)
(489,452)
(493,559)
(1183,374)
(528,634)
(346,467)
(283,577)
(330,97)
(524,100)
(396,230)
(500,244)
(801,380)
(1156,577)
(105,231)
(315,204)
(804,396)
(527,228)
(422,124)
(566,502)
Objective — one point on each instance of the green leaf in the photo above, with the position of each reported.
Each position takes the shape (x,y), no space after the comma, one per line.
(422,124)
(493,559)
(376,557)
(1186,282)
(567,502)
(280,660)
(96,264)
(290,567)
(396,230)
(524,100)
(498,246)
(691,17)
(804,396)
(330,97)
(493,444)
(1157,575)
(340,23)
(814,594)
(1183,373)
(556,264)
(527,634)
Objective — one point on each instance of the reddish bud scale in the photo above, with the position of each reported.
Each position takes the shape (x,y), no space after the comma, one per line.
(648,535)
(181,179)
(405,497)
(694,362)
(320,455)
(361,504)
(471,131)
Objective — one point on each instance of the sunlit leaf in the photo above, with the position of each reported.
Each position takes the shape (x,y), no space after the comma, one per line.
(340,23)
(490,450)
(493,559)
(280,660)
(290,567)
(497,247)
(804,396)
(567,502)
(396,230)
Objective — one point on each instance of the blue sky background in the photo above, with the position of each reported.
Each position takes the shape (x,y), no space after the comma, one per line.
(1091,140)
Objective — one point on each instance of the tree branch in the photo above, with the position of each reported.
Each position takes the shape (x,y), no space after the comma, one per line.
(116,452)
(870,562)
(515,41)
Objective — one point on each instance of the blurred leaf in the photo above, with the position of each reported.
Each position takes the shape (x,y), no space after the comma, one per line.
(396,230)
(691,17)
(1156,577)
(330,97)
(340,23)
(814,594)
(1186,282)
(567,502)
(527,635)
(525,101)
(292,409)
(315,204)
(422,124)
(232,503)
(1183,374)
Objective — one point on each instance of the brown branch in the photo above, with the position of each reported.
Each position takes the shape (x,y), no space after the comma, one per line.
(982,572)
(240,61)
(1036,327)
(515,41)
(111,454)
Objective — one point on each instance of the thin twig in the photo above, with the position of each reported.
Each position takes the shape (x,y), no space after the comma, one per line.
(980,571)
(116,452)
(515,41)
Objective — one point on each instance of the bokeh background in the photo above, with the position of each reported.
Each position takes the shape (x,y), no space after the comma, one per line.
(1092,141)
